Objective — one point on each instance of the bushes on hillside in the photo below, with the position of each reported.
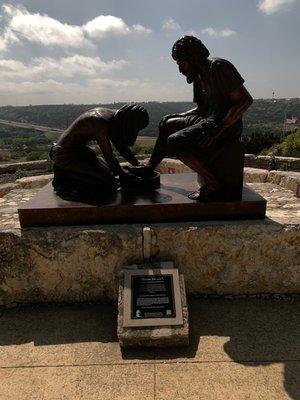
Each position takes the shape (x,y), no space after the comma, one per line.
(289,147)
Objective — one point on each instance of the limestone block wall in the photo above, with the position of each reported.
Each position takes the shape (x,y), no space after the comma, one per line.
(284,163)
(26,166)
(287,179)
(66,264)
(251,160)
(232,257)
(70,264)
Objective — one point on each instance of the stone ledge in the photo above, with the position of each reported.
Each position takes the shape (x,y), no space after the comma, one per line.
(26,165)
(232,258)
(66,264)
(7,187)
(253,175)
(33,182)
(289,163)
(82,264)
(73,264)
(287,179)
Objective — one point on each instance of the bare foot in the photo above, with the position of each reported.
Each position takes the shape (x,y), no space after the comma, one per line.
(205,193)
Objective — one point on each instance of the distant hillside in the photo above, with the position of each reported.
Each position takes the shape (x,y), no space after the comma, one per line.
(272,112)
(60,116)
(265,112)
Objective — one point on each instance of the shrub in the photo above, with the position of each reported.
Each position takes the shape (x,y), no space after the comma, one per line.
(20,173)
(5,155)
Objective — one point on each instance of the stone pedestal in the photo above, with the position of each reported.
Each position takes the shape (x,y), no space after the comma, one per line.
(167,204)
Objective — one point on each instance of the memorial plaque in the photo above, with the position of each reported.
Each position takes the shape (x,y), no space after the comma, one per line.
(152,298)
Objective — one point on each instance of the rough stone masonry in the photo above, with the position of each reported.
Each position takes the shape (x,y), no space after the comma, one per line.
(82,263)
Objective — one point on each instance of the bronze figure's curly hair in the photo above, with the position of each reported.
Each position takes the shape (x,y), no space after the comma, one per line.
(126,118)
(189,48)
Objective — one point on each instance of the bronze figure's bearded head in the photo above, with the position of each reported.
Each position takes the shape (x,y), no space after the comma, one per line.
(189,52)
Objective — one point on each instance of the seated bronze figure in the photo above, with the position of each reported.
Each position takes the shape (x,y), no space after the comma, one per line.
(80,175)
(206,138)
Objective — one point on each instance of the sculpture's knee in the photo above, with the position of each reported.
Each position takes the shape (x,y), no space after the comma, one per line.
(167,127)
(176,144)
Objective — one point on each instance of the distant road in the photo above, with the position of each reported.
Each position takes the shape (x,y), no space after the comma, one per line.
(26,125)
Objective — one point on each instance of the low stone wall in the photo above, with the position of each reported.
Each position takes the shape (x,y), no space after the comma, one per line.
(251,160)
(67,264)
(232,257)
(11,168)
(281,163)
(82,264)
(33,182)
(287,179)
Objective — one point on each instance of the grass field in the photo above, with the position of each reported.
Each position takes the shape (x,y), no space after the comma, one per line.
(145,141)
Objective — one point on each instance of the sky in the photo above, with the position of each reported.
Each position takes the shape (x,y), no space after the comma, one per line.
(103,51)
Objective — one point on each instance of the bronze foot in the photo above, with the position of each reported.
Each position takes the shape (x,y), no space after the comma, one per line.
(206,193)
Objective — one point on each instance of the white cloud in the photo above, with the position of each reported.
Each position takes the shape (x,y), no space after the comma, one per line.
(50,86)
(140,29)
(169,24)
(271,6)
(8,37)
(108,25)
(28,87)
(105,25)
(54,92)
(112,83)
(3,44)
(191,32)
(218,33)
(41,28)
(67,67)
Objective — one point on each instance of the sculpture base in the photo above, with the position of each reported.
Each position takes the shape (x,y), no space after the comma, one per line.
(167,204)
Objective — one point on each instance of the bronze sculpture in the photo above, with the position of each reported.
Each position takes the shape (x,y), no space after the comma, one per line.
(79,174)
(206,138)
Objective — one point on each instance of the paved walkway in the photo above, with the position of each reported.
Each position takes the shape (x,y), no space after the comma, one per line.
(240,349)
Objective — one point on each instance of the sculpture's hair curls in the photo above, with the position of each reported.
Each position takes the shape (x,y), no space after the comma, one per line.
(189,48)
(135,113)
(126,119)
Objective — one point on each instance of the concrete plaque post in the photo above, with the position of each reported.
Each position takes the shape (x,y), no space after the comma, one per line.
(152,308)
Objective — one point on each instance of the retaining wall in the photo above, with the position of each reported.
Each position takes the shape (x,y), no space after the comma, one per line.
(70,264)
(67,264)
(251,160)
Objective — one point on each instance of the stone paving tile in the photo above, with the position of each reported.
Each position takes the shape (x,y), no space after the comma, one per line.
(279,198)
(61,335)
(237,330)
(9,219)
(218,381)
(113,382)
(221,330)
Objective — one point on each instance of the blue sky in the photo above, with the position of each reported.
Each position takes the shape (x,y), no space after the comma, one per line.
(97,51)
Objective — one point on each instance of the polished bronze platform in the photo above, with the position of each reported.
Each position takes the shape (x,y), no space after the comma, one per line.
(167,204)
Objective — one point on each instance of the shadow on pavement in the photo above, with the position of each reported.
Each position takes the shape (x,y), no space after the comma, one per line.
(259,332)
(51,324)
